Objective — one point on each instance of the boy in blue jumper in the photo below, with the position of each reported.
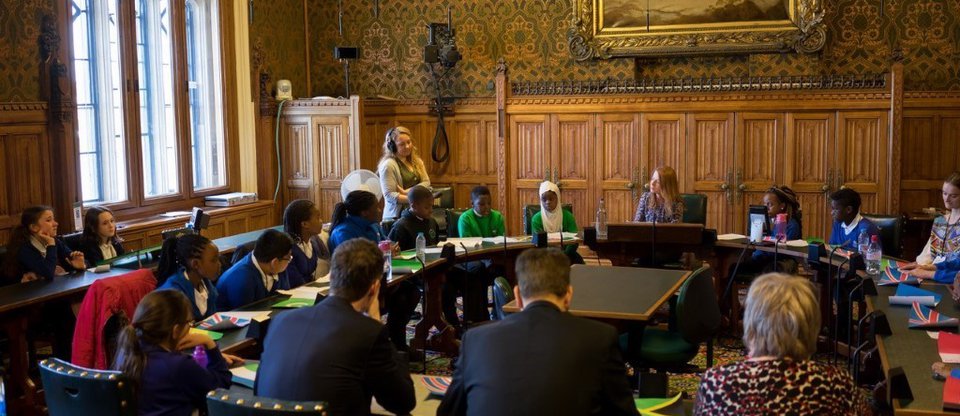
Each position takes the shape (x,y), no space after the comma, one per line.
(847,221)
(259,274)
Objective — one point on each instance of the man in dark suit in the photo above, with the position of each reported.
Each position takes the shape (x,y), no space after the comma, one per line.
(338,351)
(542,360)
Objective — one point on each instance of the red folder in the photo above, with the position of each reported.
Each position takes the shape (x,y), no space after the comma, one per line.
(951,394)
(948,345)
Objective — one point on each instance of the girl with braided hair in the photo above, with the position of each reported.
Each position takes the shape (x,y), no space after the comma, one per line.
(189,263)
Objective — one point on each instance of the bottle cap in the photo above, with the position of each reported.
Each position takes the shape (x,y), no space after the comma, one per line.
(782,217)
(385,245)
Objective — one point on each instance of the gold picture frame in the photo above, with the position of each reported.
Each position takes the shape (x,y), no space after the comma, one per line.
(602,29)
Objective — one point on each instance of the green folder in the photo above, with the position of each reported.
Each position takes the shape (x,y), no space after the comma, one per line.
(294,303)
(404,266)
(648,407)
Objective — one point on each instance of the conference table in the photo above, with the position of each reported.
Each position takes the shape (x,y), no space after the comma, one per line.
(20,305)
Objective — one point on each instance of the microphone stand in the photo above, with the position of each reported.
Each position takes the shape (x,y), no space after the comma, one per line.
(466,290)
(830,281)
(836,318)
(423,305)
(776,254)
(653,245)
(736,267)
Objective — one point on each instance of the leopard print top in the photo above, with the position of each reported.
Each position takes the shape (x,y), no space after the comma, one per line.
(779,387)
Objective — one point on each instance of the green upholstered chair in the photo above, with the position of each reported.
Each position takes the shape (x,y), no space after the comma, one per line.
(695,208)
(891,228)
(453,220)
(502,295)
(74,390)
(694,319)
(532,209)
(222,402)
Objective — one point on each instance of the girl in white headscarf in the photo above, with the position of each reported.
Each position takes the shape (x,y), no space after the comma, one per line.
(553,218)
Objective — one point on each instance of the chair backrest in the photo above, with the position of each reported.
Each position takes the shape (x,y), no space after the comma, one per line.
(443,197)
(387,225)
(502,295)
(241,251)
(72,240)
(532,209)
(440,216)
(891,228)
(698,312)
(695,208)
(453,221)
(223,402)
(73,390)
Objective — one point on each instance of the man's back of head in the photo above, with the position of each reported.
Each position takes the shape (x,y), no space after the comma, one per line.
(543,274)
(354,268)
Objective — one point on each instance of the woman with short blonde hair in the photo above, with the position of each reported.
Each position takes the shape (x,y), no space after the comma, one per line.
(781,322)
(400,168)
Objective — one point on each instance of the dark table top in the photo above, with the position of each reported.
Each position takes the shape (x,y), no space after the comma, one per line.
(628,293)
(913,349)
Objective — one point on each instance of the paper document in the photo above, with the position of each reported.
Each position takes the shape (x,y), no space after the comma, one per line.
(246,374)
(438,250)
(510,240)
(304,292)
(908,295)
(731,237)
(566,236)
(467,241)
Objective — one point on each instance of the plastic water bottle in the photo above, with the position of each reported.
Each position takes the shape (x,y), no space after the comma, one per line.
(421,247)
(873,255)
(863,242)
(200,356)
(601,221)
(780,227)
(386,247)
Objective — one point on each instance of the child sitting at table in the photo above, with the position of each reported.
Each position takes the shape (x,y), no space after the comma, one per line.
(552,218)
(258,274)
(190,263)
(847,221)
(167,381)
(99,240)
(34,251)
(311,260)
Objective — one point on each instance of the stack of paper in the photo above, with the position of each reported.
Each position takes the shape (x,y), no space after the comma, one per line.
(246,374)
(893,276)
(907,295)
(467,241)
(948,345)
(300,297)
(509,240)
(924,317)
(565,236)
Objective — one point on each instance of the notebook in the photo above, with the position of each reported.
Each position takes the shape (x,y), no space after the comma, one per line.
(924,317)
(246,374)
(948,345)
(951,393)
(907,295)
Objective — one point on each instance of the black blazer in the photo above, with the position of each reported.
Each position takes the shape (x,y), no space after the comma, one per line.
(330,352)
(540,361)
(92,254)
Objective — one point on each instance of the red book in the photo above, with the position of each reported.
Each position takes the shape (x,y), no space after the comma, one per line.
(951,394)
(948,345)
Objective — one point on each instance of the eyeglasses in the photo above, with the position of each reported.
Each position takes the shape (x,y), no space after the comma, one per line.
(287,258)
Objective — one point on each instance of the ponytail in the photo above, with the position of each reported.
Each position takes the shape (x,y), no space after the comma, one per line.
(19,237)
(157,316)
(355,203)
(177,252)
(339,214)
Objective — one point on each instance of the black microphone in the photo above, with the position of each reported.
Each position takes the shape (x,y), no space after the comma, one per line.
(776,253)
(466,288)
(830,269)
(836,317)
(736,267)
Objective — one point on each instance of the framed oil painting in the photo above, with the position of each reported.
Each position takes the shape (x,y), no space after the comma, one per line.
(657,28)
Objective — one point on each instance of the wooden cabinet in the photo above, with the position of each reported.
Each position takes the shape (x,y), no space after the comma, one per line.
(709,165)
(319,147)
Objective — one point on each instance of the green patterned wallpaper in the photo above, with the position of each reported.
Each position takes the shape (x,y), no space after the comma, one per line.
(20,48)
(278,31)
(531,35)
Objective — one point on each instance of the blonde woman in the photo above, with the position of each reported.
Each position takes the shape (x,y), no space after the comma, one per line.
(400,169)
(780,326)
(662,203)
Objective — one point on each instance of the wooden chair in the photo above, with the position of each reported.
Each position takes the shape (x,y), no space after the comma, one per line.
(74,390)
(223,402)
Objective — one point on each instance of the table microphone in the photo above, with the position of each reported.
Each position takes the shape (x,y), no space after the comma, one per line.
(776,253)
(830,270)
(736,267)
(466,287)
(836,317)
(653,244)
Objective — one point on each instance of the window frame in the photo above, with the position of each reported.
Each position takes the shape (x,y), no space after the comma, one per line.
(138,205)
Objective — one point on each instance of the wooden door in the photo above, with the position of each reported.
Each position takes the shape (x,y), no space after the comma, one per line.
(930,153)
(759,153)
(474,158)
(299,150)
(710,163)
(663,142)
(332,135)
(811,150)
(618,165)
(863,165)
(572,157)
(529,147)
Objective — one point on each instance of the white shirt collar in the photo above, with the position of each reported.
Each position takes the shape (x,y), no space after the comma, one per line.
(108,251)
(39,245)
(200,295)
(307,247)
(268,279)
(847,229)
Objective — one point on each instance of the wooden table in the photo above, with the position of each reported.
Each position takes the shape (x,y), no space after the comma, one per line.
(20,303)
(620,293)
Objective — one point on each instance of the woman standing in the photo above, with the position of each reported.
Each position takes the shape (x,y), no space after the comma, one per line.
(400,169)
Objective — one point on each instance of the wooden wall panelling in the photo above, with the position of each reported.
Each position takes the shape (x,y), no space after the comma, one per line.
(863,144)
(929,153)
(371,141)
(529,152)
(333,145)
(573,154)
(299,159)
(759,153)
(618,167)
(710,164)
(663,137)
(26,173)
(810,147)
